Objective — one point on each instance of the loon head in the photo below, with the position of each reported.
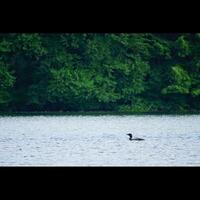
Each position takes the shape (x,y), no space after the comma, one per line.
(130,135)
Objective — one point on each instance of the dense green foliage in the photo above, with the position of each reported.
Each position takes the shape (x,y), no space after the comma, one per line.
(141,72)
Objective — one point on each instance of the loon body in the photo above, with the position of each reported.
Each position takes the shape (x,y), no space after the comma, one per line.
(136,139)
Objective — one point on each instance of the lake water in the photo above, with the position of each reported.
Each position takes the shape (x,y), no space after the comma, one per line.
(100,140)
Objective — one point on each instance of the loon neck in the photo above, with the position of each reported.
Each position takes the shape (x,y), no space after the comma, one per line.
(130,136)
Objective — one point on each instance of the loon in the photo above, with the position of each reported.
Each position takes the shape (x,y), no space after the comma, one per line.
(131,137)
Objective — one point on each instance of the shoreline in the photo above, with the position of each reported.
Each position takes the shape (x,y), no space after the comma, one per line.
(91,113)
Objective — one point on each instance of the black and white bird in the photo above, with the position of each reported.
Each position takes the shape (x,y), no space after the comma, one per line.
(131,137)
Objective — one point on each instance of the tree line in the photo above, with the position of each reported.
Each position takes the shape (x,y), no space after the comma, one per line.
(128,72)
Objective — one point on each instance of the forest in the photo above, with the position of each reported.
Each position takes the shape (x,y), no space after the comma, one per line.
(120,72)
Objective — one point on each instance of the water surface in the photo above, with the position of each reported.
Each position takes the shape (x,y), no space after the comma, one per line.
(100,140)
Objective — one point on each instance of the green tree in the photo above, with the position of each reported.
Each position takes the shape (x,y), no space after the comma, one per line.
(140,72)
(6,82)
